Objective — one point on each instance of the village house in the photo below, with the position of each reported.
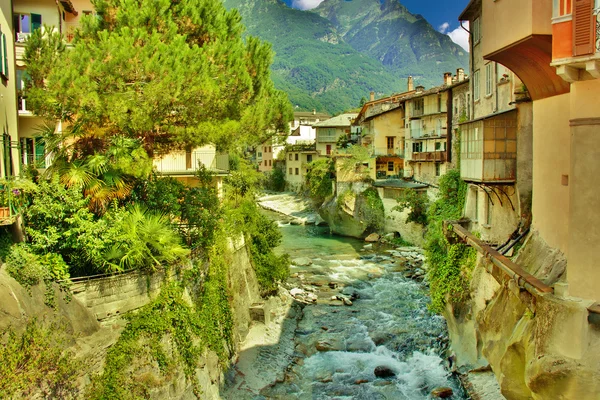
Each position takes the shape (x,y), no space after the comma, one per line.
(329,131)
(298,156)
(381,124)
(428,123)
(301,130)
(495,145)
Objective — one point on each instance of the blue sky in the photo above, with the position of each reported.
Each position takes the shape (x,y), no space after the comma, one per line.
(441,14)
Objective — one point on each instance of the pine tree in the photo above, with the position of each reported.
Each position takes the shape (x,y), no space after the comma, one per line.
(170,74)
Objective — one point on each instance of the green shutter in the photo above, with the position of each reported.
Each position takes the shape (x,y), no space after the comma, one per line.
(36,21)
(4,57)
(40,153)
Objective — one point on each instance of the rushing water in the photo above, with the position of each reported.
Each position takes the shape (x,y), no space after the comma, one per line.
(388,325)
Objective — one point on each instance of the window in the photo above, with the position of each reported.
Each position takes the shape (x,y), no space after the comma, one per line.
(390,142)
(270,149)
(328,149)
(270,163)
(22,78)
(309,158)
(476,31)
(476,85)
(390,166)
(489,78)
(290,171)
(297,171)
(418,105)
(440,146)
(290,157)
(24,24)
(33,152)
(437,169)
(417,147)
(296,157)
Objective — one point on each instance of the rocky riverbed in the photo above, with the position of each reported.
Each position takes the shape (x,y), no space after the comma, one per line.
(350,323)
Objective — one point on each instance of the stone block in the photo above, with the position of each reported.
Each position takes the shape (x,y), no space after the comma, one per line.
(259,312)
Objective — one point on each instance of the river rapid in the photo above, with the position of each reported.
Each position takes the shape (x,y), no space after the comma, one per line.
(337,347)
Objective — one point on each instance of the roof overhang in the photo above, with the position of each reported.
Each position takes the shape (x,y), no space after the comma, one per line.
(68,6)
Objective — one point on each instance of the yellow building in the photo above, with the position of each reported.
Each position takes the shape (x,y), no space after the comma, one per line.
(29,15)
(428,124)
(9,158)
(297,157)
(381,124)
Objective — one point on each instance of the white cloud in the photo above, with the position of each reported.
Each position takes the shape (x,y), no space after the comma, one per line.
(443,28)
(306,4)
(460,36)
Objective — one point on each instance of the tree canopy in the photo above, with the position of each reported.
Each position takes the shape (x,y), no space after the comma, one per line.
(169,74)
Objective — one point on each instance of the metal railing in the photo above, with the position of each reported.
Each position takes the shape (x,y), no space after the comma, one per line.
(189,162)
(384,151)
(440,156)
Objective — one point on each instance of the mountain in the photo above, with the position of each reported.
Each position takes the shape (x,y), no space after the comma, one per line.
(329,58)
(404,43)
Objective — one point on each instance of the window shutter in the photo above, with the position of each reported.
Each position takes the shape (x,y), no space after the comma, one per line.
(584,27)
(36,21)
(4,57)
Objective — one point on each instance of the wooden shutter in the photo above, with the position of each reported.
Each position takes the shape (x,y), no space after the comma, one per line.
(36,21)
(584,27)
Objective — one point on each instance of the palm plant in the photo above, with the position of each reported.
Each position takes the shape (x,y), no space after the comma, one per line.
(104,169)
(146,242)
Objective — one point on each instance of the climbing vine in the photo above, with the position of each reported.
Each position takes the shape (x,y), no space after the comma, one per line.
(174,330)
(450,265)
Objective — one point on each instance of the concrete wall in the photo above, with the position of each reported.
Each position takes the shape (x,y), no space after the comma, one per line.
(395,221)
(551,161)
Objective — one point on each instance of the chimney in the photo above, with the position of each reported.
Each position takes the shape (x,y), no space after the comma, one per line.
(372,96)
(411,84)
(420,88)
(314,111)
(448,78)
(460,74)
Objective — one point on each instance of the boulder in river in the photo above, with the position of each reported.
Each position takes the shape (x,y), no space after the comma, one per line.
(296,292)
(382,371)
(442,393)
(302,261)
(372,238)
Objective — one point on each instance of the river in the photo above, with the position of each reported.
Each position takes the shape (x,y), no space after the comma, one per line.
(337,347)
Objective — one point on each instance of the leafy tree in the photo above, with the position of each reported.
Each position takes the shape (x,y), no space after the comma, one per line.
(417,203)
(160,72)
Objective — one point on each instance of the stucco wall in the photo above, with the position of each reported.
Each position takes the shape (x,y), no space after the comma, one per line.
(551,160)
(8,98)
(584,229)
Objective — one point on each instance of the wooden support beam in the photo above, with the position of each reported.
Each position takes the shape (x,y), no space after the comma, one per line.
(513,271)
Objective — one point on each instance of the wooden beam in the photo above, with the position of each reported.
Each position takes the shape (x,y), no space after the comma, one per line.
(523,278)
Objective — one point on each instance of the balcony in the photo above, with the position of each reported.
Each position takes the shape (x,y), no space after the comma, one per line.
(518,35)
(430,156)
(186,163)
(576,48)
(327,138)
(489,149)
(388,152)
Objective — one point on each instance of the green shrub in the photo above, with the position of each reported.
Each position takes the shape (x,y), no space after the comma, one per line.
(417,203)
(37,361)
(25,266)
(275,179)
(373,213)
(319,180)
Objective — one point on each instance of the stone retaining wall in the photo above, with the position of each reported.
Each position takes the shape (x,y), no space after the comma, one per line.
(112,296)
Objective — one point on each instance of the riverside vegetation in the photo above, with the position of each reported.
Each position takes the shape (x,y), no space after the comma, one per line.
(128,90)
